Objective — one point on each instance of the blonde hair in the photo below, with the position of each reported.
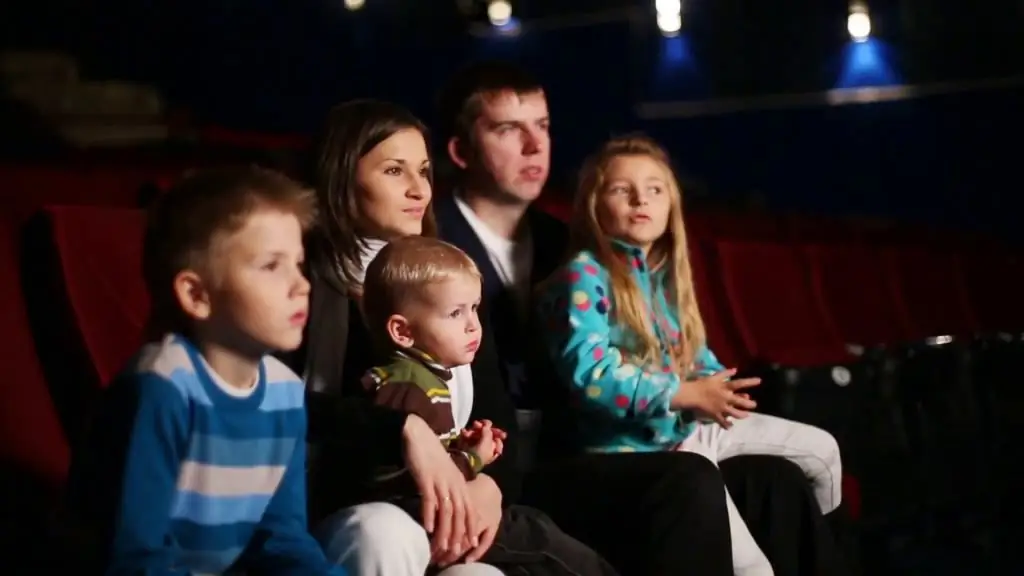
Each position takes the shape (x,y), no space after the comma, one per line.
(669,253)
(403,268)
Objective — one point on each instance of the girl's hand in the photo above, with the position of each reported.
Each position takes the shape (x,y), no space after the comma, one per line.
(717,396)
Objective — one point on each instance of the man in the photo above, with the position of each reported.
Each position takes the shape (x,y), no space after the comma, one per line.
(495,118)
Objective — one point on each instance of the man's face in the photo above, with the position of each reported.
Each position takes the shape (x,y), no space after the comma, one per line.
(512,144)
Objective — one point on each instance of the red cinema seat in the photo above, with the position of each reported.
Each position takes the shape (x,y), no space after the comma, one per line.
(722,338)
(777,314)
(729,225)
(31,438)
(851,282)
(26,189)
(931,291)
(995,285)
(99,252)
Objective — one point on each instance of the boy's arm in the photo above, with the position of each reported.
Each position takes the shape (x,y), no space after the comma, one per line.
(408,398)
(141,439)
(577,309)
(282,544)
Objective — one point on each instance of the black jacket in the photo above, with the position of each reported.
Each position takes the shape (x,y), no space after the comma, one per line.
(512,334)
(350,436)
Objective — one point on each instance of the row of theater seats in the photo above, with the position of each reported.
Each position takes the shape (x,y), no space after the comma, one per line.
(783,297)
(905,344)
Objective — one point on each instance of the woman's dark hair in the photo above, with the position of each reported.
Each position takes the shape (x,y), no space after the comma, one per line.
(352,129)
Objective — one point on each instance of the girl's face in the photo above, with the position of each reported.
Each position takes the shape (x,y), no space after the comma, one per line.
(394,186)
(636,200)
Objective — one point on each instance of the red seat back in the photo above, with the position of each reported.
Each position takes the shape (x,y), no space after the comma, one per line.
(727,225)
(26,189)
(931,290)
(777,313)
(995,288)
(31,437)
(852,285)
(722,338)
(99,252)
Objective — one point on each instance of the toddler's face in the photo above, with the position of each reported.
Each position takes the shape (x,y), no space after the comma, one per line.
(445,324)
(260,297)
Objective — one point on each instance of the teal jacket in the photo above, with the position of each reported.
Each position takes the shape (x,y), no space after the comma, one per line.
(618,406)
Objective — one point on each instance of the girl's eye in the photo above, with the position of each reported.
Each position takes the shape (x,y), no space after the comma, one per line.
(393,171)
(271,266)
(455,313)
(425,173)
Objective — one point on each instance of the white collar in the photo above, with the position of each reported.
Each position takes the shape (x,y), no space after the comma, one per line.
(368,250)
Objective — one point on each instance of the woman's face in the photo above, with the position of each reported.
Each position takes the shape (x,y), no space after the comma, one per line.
(394,186)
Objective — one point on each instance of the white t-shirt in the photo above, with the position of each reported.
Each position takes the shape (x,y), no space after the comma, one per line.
(513,261)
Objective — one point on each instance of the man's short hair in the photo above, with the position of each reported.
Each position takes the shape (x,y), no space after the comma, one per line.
(462,99)
(403,268)
(185,223)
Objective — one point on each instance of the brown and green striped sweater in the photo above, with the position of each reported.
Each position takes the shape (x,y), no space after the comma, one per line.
(415,383)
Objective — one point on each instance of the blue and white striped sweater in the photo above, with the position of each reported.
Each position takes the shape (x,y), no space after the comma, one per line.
(204,474)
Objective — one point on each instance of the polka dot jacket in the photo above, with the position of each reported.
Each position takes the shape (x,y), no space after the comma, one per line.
(618,406)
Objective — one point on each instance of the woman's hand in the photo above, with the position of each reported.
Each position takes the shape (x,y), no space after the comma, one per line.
(486,497)
(448,512)
(717,396)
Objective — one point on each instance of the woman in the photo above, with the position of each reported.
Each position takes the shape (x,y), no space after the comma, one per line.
(373,177)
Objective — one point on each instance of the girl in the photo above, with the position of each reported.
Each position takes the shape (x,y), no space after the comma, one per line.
(625,333)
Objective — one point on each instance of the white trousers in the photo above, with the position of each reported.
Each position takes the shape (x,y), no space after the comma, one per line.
(380,539)
(814,450)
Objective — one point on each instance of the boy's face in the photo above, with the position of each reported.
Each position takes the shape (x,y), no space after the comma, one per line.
(256,297)
(443,321)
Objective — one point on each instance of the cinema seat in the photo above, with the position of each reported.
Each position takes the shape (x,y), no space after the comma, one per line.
(34,453)
(86,299)
(26,189)
(100,251)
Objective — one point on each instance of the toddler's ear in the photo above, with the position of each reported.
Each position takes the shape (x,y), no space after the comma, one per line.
(399,331)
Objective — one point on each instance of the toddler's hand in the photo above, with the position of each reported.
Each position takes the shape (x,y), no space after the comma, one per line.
(484,439)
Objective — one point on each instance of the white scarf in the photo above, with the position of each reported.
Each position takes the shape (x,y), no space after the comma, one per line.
(461,384)
(368,250)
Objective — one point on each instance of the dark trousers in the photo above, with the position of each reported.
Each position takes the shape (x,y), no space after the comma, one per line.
(779,507)
(657,514)
(529,543)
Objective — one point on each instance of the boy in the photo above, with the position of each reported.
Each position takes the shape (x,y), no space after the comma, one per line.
(421,298)
(196,460)
(420,301)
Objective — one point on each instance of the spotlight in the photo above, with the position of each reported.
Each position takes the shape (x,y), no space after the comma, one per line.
(668,6)
(354,4)
(670,23)
(858,23)
(499,12)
